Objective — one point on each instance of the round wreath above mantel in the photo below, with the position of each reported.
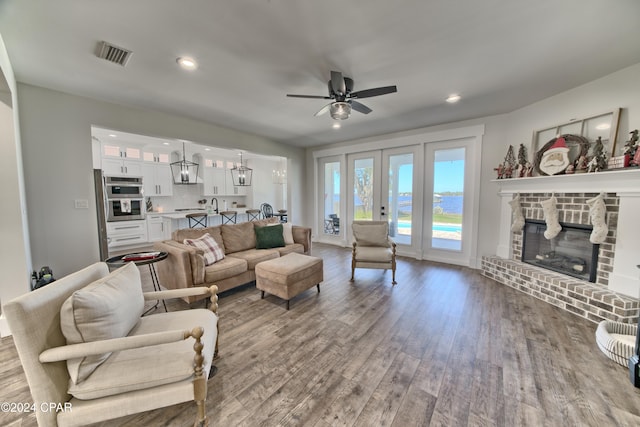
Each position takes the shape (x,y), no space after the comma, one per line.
(557,160)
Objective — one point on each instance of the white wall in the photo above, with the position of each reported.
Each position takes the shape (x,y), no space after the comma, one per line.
(15,258)
(617,90)
(56,138)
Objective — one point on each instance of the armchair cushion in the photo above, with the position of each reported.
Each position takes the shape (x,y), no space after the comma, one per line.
(212,252)
(373,254)
(269,237)
(149,367)
(107,308)
(375,234)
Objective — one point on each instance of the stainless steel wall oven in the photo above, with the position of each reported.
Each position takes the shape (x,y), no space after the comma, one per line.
(124,198)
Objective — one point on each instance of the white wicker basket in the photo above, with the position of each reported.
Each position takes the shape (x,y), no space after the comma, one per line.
(616,340)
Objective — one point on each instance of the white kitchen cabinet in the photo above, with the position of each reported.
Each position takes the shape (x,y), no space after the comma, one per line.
(156,156)
(121,151)
(157,180)
(158,228)
(213,180)
(121,167)
(125,233)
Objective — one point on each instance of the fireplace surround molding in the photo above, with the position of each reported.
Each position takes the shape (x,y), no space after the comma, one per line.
(625,184)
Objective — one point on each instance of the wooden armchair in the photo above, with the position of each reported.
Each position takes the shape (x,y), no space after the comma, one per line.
(372,247)
(87,352)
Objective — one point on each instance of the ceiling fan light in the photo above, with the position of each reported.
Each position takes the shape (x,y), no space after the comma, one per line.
(340,110)
(451,99)
(187,63)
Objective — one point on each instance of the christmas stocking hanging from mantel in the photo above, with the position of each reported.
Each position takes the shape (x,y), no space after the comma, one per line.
(518,217)
(597,214)
(551,217)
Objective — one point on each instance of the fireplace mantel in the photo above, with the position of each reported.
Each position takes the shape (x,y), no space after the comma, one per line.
(625,183)
(622,181)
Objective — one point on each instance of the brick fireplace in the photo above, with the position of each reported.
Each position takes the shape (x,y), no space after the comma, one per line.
(614,295)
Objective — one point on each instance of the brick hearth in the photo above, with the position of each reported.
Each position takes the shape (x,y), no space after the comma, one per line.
(585,299)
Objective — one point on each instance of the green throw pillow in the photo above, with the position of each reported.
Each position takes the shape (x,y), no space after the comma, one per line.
(269,237)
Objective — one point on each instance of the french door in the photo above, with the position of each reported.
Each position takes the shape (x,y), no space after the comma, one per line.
(450,225)
(381,185)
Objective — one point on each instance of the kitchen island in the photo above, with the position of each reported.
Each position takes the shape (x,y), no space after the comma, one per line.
(179,219)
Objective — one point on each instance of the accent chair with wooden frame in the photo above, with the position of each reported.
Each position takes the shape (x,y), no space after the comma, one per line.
(372,247)
(113,369)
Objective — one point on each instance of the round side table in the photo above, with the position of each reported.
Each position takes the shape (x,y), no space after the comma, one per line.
(142,258)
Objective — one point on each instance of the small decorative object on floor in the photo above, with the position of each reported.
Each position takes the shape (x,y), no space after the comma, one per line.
(518,216)
(615,340)
(550,211)
(599,160)
(597,214)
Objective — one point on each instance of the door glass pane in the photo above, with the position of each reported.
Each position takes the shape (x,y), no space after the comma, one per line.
(400,197)
(363,189)
(448,189)
(331,197)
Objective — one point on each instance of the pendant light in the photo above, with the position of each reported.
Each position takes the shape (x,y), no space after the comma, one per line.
(241,175)
(184,171)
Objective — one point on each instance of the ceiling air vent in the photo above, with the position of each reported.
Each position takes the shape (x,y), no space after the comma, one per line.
(112,53)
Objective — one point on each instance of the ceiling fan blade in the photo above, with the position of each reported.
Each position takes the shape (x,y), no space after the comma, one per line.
(309,96)
(368,93)
(323,110)
(361,108)
(337,83)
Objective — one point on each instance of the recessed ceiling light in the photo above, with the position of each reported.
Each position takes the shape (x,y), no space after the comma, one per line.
(603,126)
(207,149)
(113,135)
(187,63)
(336,125)
(165,143)
(453,98)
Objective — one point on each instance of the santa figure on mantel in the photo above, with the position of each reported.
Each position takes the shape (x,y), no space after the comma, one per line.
(556,158)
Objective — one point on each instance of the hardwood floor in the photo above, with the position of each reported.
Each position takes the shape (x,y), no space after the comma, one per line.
(444,347)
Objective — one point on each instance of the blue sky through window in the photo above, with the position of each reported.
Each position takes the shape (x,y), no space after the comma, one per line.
(448,176)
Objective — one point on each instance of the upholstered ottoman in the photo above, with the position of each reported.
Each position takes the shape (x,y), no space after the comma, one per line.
(289,275)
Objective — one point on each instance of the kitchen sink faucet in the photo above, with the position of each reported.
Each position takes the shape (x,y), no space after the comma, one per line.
(216,209)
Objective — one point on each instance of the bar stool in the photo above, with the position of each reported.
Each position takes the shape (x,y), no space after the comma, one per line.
(253,214)
(267,210)
(197,220)
(229,217)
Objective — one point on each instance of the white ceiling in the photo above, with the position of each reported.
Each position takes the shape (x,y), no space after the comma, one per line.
(499,55)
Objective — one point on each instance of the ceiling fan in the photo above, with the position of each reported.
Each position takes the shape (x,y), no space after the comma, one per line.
(340,90)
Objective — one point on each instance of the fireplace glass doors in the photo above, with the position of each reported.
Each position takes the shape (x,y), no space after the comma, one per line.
(570,252)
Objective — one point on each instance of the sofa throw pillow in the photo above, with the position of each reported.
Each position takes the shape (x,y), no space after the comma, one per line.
(107,308)
(212,251)
(287,232)
(238,237)
(269,237)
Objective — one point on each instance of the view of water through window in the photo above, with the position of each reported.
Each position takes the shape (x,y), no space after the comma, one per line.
(448,187)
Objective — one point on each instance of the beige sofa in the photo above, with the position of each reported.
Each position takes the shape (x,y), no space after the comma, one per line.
(185,265)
